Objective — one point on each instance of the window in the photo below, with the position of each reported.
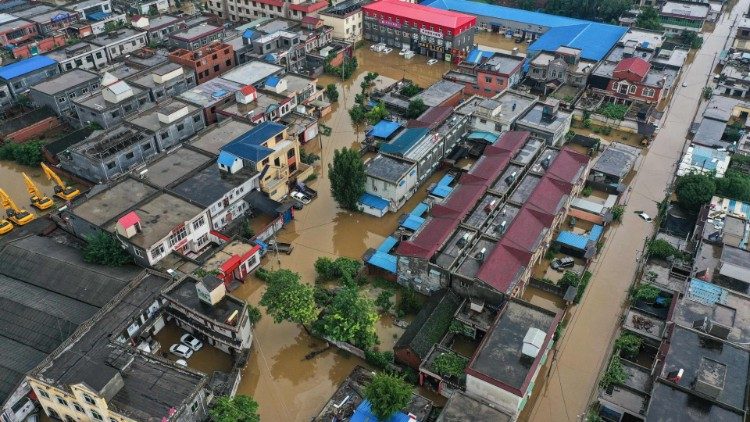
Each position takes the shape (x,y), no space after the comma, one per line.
(61,400)
(488,79)
(648,92)
(129,156)
(96,415)
(157,250)
(43,394)
(229,62)
(88,399)
(78,408)
(632,89)
(68,418)
(216,68)
(197,118)
(176,237)
(146,146)
(99,55)
(61,100)
(194,407)
(111,165)
(290,153)
(53,413)
(198,223)
(164,135)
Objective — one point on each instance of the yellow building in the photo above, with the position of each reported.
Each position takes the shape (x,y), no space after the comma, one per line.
(345,18)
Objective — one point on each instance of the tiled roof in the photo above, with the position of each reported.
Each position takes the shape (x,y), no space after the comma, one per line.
(417,12)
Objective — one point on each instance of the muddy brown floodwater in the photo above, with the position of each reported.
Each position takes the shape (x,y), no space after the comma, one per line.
(579,356)
(11,181)
(286,386)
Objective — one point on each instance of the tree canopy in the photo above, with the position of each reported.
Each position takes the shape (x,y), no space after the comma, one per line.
(288,299)
(103,249)
(332,93)
(416,108)
(387,394)
(27,153)
(351,318)
(234,409)
(694,190)
(347,176)
(377,113)
(648,19)
(596,10)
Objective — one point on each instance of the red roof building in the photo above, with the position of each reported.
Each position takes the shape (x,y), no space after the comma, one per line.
(632,69)
(633,79)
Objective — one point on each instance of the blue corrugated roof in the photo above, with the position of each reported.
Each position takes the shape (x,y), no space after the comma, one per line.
(373,201)
(388,244)
(420,209)
(596,232)
(97,16)
(593,38)
(249,145)
(364,414)
(573,240)
(405,141)
(476,55)
(441,191)
(25,66)
(483,136)
(706,157)
(226,159)
(385,261)
(412,222)
(383,129)
(445,180)
(273,81)
(248,33)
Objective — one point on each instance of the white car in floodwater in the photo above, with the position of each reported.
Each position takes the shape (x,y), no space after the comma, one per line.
(181,351)
(432,61)
(645,216)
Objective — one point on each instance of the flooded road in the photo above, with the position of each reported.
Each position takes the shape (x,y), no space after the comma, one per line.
(565,394)
(286,386)
(11,181)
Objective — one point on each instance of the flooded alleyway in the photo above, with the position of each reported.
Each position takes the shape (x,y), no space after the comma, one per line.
(575,365)
(286,385)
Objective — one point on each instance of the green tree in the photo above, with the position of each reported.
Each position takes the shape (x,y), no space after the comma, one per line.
(416,108)
(646,292)
(347,175)
(569,279)
(332,93)
(694,190)
(450,364)
(707,92)
(27,153)
(351,318)
(734,185)
(103,249)
(234,409)
(661,249)
(690,38)
(387,394)
(254,314)
(617,212)
(288,299)
(358,114)
(615,373)
(383,300)
(410,90)
(629,344)
(377,113)
(648,19)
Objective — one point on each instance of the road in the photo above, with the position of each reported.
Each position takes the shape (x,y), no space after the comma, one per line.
(566,392)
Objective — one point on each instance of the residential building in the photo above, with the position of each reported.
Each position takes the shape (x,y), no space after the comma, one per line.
(211,96)
(497,114)
(700,159)
(197,36)
(57,93)
(48,20)
(546,121)
(345,18)
(256,107)
(487,73)
(95,14)
(612,167)
(18,77)
(16,31)
(170,122)
(235,10)
(562,66)
(676,17)
(461,406)
(284,48)
(110,105)
(165,81)
(268,150)
(100,374)
(633,79)
(741,41)
(159,28)
(143,7)
(392,179)
(734,80)
(511,355)
(46,278)
(104,155)
(81,55)
(255,73)
(439,34)
(207,62)
(120,42)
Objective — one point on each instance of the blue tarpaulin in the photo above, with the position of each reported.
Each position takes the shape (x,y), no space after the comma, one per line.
(383,129)
(373,201)
(387,244)
(383,260)
(97,16)
(573,240)
(419,210)
(596,232)
(443,188)
(364,414)
(412,222)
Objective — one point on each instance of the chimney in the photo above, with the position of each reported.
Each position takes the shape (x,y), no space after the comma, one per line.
(549,109)
(481,255)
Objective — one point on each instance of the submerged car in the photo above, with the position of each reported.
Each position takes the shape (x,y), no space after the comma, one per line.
(645,216)
(191,342)
(432,61)
(181,351)
(301,197)
(562,263)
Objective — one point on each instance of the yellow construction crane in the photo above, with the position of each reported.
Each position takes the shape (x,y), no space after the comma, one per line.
(37,198)
(15,214)
(62,191)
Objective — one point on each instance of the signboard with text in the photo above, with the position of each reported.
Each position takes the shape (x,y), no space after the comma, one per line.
(434,34)
(390,23)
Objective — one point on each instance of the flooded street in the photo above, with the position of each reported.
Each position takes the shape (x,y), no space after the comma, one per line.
(11,181)
(287,386)
(565,394)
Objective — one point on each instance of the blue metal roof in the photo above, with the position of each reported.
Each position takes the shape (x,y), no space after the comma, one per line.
(595,233)
(706,157)
(412,222)
(273,81)
(441,191)
(706,293)
(385,261)
(25,66)
(248,33)
(420,209)
(476,55)
(249,146)
(405,141)
(592,38)
(573,240)
(373,201)
(97,16)
(383,129)
(483,136)
(226,159)
(388,244)
(364,414)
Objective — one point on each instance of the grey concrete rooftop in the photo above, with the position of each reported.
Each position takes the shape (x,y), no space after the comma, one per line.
(149,119)
(147,79)
(111,203)
(66,81)
(451,251)
(211,184)
(461,407)
(529,151)
(499,356)
(439,92)
(524,189)
(210,92)
(115,36)
(533,118)
(195,32)
(672,404)
(216,136)
(501,186)
(175,165)
(252,73)
(387,168)
(185,294)
(471,264)
(617,160)
(732,310)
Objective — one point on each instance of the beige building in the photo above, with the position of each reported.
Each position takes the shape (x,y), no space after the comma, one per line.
(345,18)
(248,10)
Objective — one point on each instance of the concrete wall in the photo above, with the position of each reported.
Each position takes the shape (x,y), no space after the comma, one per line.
(100,170)
(505,400)
(21,84)
(114,115)
(347,28)
(126,46)
(63,100)
(180,130)
(35,130)
(94,59)
(395,193)
(421,275)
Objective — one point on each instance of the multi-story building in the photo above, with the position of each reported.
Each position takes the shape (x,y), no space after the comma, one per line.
(211,96)
(393,179)
(268,150)
(159,28)
(57,93)
(104,155)
(95,15)
(48,19)
(432,32)
(676,17)
(197,36)
(110,105)
(633,79)
(165,81)
(81,55)
(169,122)
(563,66)
(18,77)
(143,7)
(248,10)
(497,114)
(207,62)
(16,31)
(120,42)
(345,18)
(488,73)
(546,121)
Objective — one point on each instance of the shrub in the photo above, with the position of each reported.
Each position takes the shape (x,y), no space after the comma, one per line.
(409,303)
(617,212)
(104,249)
(629,344)
(587,191)
(449,364)
(383,300)
(615,374)
(380,360)
(646,292)
(662,249)
(254,314)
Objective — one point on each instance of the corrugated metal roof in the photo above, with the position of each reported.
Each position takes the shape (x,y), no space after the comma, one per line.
(404,142)
(573,240)
(421,13)
(373,201)
(388,244)
(383,129)
(412,222)
(25,66)
(383,260)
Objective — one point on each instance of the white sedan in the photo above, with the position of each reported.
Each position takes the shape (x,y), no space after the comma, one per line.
(181,351)
(191,342)
(645,216)
(432,61)
(301,197)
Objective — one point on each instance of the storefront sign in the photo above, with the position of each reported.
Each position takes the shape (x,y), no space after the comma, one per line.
(433,34)
(390,23)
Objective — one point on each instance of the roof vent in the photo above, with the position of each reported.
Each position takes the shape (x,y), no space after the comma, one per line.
(463,240)
(511,178)
(710,378)
(675,376)
(491,206)
(546,161)
(481,255)
(500,228)
(533,342)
